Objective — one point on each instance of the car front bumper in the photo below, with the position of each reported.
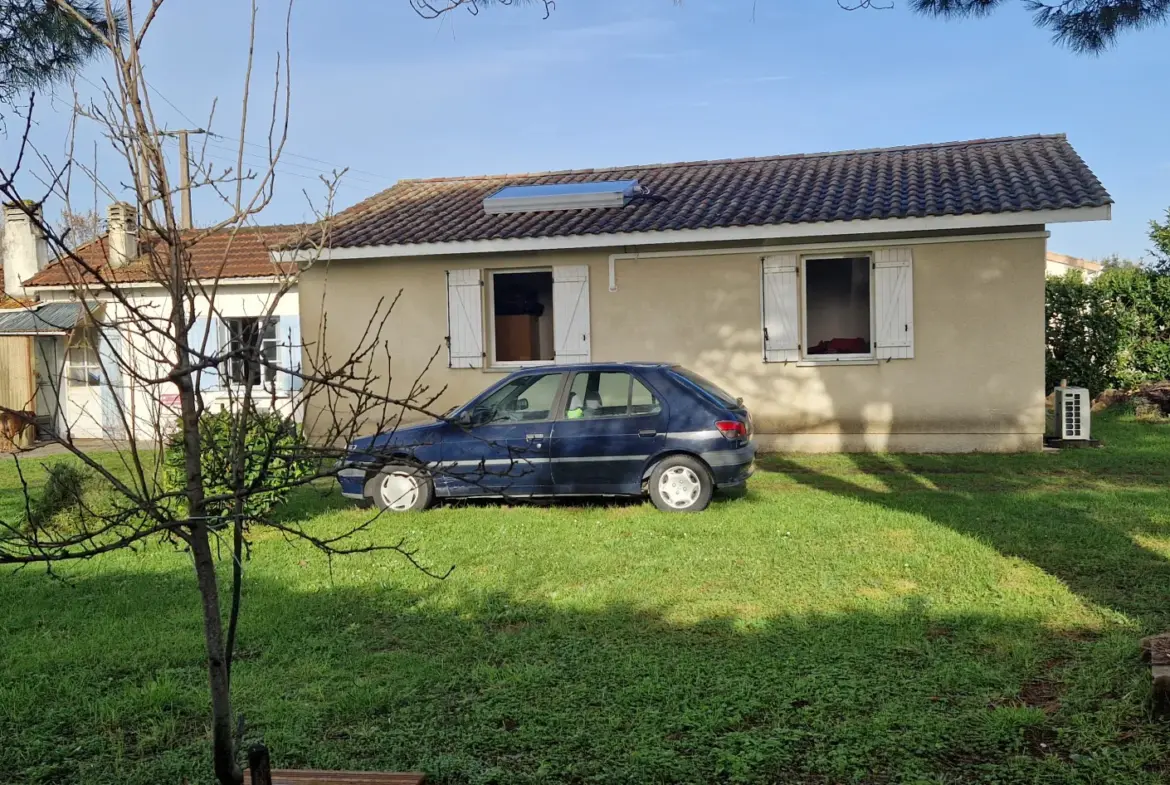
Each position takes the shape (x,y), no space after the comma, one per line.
(352,480)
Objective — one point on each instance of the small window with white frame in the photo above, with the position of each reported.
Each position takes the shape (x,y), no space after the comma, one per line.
(838,308)
(522,317)
(85,367)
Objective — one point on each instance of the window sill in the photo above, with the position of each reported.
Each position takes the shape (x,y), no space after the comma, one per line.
(844,361)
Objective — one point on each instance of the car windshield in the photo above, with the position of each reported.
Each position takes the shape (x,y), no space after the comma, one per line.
(707,386)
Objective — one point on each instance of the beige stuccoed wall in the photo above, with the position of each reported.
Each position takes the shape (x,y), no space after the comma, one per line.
(976,381)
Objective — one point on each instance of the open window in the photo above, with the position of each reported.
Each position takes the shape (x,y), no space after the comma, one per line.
(248,339)
(838,307)
(522,317)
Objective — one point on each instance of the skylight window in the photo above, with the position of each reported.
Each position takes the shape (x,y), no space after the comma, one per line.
(560,196)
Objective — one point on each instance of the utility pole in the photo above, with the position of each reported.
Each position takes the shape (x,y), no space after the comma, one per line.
(185,221)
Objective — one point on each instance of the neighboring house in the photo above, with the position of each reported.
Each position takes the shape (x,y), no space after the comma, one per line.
(74,328)
(1058,264)
(870,300)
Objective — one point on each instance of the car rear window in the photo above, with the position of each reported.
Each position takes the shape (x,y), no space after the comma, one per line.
(707,386)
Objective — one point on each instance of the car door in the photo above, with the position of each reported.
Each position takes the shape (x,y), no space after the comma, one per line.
(503,447)
(611,423)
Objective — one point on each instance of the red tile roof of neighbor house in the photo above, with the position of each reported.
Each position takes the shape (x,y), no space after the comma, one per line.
(243,252)
(10,302)
(1073,261)
(1016,174)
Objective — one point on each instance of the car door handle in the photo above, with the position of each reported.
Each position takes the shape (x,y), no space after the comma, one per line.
(647,433)
(535,437)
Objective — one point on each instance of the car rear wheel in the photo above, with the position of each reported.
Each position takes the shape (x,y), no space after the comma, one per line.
(681,483)
(401,487)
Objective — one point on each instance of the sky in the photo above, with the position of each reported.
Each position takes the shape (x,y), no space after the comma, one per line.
(615,82)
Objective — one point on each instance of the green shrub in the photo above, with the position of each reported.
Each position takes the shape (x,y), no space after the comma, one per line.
(74,499)
(1111,333)
(274,457)
(63,491)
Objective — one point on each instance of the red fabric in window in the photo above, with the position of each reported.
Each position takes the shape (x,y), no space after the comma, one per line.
(841,346)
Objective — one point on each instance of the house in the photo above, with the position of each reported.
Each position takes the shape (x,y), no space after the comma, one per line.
(887,299)
(1057,264)
(75,348)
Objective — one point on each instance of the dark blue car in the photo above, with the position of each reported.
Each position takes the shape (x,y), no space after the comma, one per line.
(610,429)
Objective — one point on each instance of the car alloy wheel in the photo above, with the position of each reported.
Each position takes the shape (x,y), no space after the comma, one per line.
(399,491)
(681,483)
(679,487)
(401,487)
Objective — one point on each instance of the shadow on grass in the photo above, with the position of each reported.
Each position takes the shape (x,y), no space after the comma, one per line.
(309,501)
(1076,520)
(484,687)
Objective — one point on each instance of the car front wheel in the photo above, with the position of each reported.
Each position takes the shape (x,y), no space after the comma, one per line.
(401,487)
(681,483)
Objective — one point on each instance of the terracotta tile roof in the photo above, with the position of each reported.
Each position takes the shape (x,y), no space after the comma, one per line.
(244,253)
(1073,261)
(1013,174)
(10,302)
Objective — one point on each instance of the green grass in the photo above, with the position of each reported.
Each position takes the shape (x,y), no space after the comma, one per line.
(853,619)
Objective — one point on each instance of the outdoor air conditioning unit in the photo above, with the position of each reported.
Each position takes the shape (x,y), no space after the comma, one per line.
(1072,413)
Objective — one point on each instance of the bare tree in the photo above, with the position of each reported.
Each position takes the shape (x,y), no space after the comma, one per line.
(153,353)
(79,228)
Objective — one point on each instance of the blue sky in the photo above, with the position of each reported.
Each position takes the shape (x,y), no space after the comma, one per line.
(610,82)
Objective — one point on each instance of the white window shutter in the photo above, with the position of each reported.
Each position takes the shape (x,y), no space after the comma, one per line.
(571,313)
(465,318)
(893,277)
(780,305)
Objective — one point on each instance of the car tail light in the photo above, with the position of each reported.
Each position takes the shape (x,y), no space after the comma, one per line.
(732,429)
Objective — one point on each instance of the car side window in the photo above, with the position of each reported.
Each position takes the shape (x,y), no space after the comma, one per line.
(526,399)
(642,401)
(596,394)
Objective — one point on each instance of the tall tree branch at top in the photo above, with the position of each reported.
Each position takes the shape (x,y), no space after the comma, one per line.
(1086,26)
(42,41)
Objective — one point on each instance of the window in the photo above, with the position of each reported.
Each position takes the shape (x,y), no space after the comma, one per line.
(707,386)
(608,394)
(248,339)
(837,308)
(84,365)
(529,398)
(518,317)
(522,317)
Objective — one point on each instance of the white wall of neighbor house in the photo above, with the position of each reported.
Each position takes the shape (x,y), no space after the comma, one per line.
(154,407)
(962,368)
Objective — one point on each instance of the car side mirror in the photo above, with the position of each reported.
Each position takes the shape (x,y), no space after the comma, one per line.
(520,405)
(463,419)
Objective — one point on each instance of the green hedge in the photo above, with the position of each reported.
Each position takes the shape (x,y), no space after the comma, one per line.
(275,458)
(1111,333)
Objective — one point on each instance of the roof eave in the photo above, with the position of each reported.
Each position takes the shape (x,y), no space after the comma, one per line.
(946,223)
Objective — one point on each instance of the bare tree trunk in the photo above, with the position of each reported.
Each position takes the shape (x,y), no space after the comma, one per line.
(227,771)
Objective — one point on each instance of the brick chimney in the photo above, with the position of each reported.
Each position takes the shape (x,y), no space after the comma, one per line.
(122,223)
(25,250)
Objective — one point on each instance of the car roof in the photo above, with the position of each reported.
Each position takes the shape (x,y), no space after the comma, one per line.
(609,366)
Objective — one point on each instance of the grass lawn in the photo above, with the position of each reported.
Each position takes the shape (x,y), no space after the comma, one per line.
(853,619)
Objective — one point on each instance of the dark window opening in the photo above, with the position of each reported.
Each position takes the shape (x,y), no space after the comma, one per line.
(523,316)
(250,340)
(837,306)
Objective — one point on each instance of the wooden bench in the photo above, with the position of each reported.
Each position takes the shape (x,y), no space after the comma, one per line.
(289,777)
(260,773)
